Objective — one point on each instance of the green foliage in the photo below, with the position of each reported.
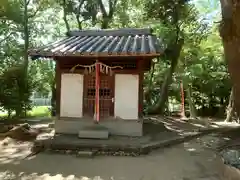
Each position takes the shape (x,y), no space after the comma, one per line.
(168,11)
(129,13)
(15,90)
(200,63)
(43,72)
(11,10)
(40,111)
(202,67)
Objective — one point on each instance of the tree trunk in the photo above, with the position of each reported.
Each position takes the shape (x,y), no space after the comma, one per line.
(21,106)
(192,108)
(79,22)
(9,113)
(78,14)
(18,112)
(182,101)
(148,92)
(230,33)
(107,17)
(105,22)
(65,16)
(53,100)
(230,108)
(26,36)
(176,50)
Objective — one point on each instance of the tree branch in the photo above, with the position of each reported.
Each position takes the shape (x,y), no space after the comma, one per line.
(34,14)
(79,22)
(79,7)
(112,7)
(103,10)
(65,16)
(27,2)
(6,37)
(78,14)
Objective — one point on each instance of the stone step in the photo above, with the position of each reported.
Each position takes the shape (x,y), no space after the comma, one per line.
(93,134)
(85,154)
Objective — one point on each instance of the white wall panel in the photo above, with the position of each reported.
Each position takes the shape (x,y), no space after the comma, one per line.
(71,95)
(126,96)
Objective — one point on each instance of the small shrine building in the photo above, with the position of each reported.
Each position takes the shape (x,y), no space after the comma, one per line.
(99,79)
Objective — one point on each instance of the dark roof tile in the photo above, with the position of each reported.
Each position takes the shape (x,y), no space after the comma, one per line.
(127,42)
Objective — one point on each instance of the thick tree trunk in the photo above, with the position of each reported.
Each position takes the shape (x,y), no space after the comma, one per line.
(230,108)
(105,23)
(158,109)
(230,33)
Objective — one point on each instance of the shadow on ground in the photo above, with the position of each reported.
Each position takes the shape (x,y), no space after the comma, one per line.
(186,161)
(159,132)
(177,125)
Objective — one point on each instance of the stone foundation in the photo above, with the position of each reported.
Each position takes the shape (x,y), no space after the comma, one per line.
(114,126)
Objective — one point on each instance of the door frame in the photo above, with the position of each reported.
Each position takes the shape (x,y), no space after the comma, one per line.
(112,86)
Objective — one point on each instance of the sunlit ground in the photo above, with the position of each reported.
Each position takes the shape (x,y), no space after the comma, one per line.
(189,160)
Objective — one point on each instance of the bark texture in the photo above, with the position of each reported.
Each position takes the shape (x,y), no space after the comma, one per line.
(230,108)
(230,33)
(192,108)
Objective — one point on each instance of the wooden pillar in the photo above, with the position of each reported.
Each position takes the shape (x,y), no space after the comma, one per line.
(140,88)
(97,88)
(58,88)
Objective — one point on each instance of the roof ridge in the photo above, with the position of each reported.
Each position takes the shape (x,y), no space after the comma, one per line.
(111,32)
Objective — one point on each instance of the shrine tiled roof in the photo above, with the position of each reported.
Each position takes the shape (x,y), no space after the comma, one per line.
(100,43)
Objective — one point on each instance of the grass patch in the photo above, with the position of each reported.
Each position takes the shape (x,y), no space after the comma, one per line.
(37,111)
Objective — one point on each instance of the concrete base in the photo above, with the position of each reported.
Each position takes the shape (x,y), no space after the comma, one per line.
(115,145)
(113,126)
(93,133)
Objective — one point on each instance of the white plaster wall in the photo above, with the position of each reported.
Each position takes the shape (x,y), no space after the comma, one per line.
(126,96)
(71,95)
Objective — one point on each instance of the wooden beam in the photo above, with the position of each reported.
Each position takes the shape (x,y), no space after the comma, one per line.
(58,88)
(97,55)
(111,32)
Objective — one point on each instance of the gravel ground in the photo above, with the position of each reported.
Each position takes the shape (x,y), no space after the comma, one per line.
(194,160)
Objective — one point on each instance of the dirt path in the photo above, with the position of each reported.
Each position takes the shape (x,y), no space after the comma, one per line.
(188,161)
